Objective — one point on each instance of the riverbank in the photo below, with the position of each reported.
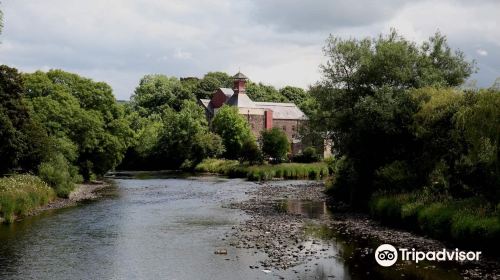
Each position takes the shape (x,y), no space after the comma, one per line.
(27,195)
(473,222)
(291,225)
(81,192)
(264,172)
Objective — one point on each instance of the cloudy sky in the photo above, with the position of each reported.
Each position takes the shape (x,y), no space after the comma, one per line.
(276,42)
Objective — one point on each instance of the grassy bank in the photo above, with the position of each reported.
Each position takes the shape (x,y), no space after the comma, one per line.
(468,223)
(20,194)
(291,171)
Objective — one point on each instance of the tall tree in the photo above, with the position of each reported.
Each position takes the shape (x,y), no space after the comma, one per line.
(14,117)
(184,137)
(364,104)
(212,81)
(157,92)
(233,129)
(82,117)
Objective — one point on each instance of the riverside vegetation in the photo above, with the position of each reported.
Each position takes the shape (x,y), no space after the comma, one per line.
(414,146)
(288,171)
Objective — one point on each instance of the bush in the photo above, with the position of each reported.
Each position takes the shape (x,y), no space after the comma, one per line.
(469,223)
(250,152)
(20,194)
(307,156)
(344,177)
(233,169)
(471,229)
(60,175)
(275,144)
(388,208)
(212,165)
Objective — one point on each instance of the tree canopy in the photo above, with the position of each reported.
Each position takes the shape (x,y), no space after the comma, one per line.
(82,117)
(233,129)
(275,144)
(364,102)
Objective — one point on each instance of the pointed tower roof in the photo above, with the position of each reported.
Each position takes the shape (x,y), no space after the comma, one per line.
(240,76)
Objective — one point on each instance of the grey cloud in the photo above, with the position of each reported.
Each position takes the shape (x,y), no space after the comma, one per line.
(297,15)
(277,42)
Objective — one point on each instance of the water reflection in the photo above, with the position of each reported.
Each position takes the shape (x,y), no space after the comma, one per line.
(307,208)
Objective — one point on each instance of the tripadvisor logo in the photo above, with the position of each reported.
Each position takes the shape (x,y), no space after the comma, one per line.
(386,255)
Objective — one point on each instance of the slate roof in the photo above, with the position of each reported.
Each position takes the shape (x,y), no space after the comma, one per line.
(240,100)
(283,111)
(227,92)
(205,102)
(240,76)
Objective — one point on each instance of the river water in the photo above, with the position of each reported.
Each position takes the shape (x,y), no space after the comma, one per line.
(154,229)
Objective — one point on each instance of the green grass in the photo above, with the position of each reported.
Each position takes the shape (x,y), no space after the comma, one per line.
(472,223)
(19,194)
(264,172)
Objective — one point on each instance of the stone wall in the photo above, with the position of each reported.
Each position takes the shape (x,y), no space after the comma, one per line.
(290,127)
(257,123)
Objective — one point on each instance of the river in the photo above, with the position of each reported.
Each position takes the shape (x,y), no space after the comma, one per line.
(165,228)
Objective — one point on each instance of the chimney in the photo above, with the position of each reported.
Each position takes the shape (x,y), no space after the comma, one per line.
(239,83)
(268,122)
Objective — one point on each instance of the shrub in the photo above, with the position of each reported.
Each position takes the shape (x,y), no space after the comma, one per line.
(275,144)
(436,219)
(219,166)
(307,156)
(472,229)
(60,175)
(20,194)
(250,152)
(387,208)
(264,172)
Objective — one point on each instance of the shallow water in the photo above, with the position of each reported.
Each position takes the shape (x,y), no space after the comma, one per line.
(169,229)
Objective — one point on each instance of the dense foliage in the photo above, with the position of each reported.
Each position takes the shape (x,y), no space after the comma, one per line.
(233,129)
(410,143)
(367,107)
(82,119)
(275,144)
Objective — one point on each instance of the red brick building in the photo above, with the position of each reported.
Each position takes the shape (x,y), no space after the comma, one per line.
(260,115)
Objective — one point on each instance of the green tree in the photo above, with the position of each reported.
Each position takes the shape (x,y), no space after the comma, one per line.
(23,144)
(158,92)
(82,118)
(294,94)
(184,137)
(479,120)
(233,129)
(364,104)
(275,144)
(212,81)
(264,93)
(250,152)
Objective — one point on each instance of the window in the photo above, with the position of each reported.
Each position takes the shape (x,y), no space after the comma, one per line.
(284,128)
(293,127)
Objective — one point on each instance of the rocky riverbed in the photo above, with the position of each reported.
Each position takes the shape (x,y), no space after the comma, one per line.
(291,224)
